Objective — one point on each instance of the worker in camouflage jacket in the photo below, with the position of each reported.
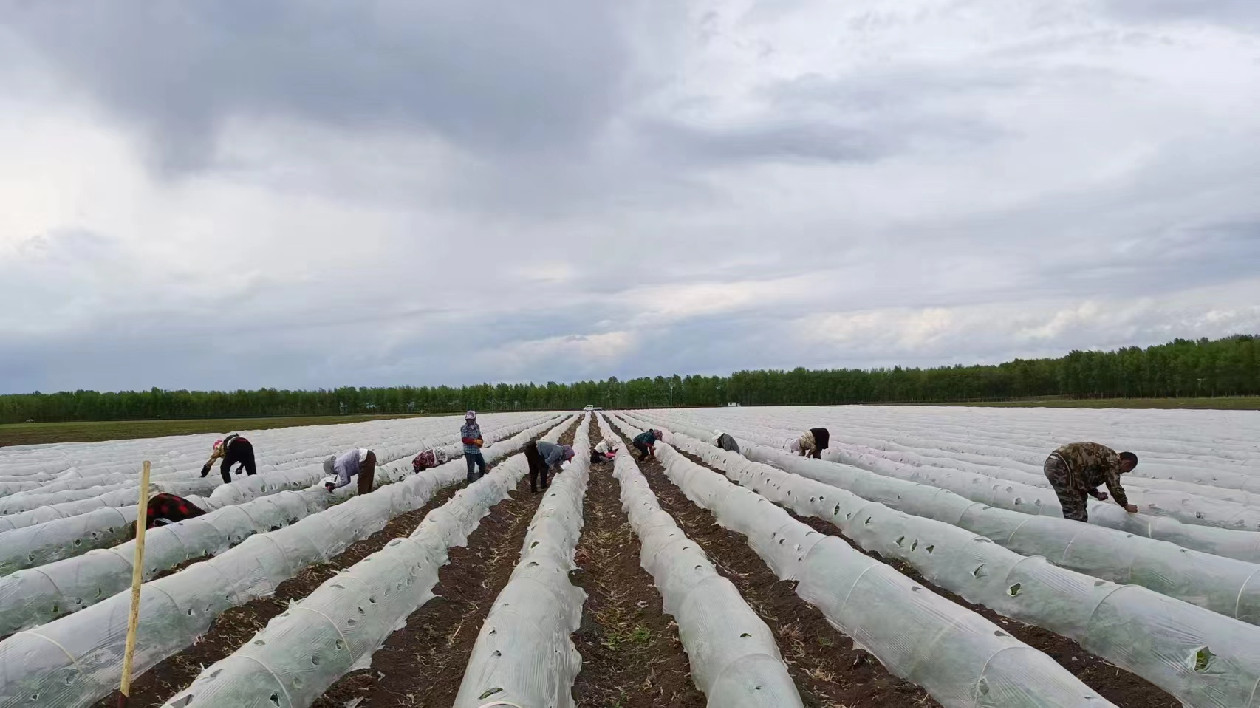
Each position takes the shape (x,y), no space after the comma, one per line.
(1076,470)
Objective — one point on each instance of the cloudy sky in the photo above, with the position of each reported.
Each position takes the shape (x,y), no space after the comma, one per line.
(295,193)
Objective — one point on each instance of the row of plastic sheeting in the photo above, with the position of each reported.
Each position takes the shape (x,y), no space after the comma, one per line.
(1006,483)
(1013,465)
(1207,453)
(524,653)
(1198,656)
(959,657)
(1225,585)
(179,475)
(336,628)
(176,459)
(733,656)
(34,596)
(1231,543)
(76,660)
(51,541)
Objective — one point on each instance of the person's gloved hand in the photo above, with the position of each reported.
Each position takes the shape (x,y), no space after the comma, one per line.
(1131,508)
(205,470)
(479,442)
(329,486)
(1101,496)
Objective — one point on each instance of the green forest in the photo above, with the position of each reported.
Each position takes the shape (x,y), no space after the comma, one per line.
(1223,367)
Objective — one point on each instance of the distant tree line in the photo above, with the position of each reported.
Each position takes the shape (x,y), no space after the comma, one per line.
(1224,367)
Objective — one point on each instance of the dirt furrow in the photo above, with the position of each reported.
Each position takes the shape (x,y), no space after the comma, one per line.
(1122,688)
(422,664)
(631,654)
(1116,685)
(827,668)
(238,625)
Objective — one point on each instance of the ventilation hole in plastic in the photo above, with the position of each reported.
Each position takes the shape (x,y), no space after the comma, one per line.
(1202,659)
(744,635)
(1099,583)
(535,543)
(190,613)
(180,703)
(979,572)
(931,548)
(915,588)
(275,698)
(497,654)
(371,599)
(34,697)
(259,642)
(1000,633)
(697,567)
(900,539)
(489,692)
(339,645)
(914,546)
(1014,589)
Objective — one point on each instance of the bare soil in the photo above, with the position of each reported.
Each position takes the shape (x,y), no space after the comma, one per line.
(827,668)
(238,625)
(422,664)
(1121,687)
(1116,685)
(631,654)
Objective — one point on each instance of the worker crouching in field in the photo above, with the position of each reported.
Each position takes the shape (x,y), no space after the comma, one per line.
(545,459)
(1077,469)
(726,442)
(169,509)
(812,443)
(470,435)
(340,468)
(430,458)
(645,442)
(235,450)
(604,451)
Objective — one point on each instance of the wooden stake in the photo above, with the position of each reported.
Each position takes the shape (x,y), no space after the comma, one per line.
(137,579)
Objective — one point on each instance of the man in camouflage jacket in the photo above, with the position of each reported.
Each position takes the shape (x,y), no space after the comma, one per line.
(1076,470)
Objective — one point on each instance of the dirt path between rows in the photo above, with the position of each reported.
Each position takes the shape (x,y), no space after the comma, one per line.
(422,664)
(238,625)
(1122,688)
(1115,684)
(825,665)
(631,654)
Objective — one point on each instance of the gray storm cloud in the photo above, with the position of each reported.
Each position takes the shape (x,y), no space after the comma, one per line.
(243,194)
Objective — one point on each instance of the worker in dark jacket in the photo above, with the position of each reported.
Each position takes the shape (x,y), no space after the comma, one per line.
(645,442)
(812,443)
(169,509)
(235,450)
(1076,470)
(726,442)
(545,459)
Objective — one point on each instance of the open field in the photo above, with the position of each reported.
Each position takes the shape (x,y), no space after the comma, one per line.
(96,431)
(921,562)
(1223,403)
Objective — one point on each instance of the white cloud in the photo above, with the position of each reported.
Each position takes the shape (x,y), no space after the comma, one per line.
(641,189)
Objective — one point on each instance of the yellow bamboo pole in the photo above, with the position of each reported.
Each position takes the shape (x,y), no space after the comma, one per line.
(137,578)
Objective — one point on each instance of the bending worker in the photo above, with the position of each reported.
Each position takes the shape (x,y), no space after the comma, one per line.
(812,443)
(544,459)
(645,442)
(235,450)
(340,468)
(726,442)
(1077,469)
(167,508)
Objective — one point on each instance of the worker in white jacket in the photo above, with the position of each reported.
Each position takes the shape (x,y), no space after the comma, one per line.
(340,468)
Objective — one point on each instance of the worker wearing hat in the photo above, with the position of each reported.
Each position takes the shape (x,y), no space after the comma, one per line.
(470,435)
(235,450)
